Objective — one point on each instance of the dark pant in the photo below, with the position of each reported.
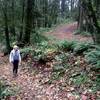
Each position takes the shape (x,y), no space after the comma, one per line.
(15,66)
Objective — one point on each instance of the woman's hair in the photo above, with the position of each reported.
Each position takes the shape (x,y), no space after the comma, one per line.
(15,47)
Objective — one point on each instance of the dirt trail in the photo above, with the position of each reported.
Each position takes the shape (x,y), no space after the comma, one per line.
(66,32)
(30,84)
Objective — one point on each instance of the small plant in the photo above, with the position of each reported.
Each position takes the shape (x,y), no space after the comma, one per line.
(57,75)
(81,79)
(84,33)
(60,67)
(98,82)
(37,37)
(66,45)
(5,91)
(93,57)
(62,59)
(81,47)
(26,51)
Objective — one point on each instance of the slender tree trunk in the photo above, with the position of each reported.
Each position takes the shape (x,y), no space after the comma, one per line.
(28,21)
(13,18)
(6,27)
(72,7)
(45,12)
(81,17)
(22,21)
(63,7)
(92,19)
(97,4)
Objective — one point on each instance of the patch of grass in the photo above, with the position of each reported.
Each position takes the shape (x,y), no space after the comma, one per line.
(79,48)
(66,45)
(93,56)
(84,33)
(64,20)
(36,37)
(81,79)
(6,91)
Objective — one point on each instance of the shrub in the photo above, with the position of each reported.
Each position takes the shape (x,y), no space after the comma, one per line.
(66,45)
(56,75)
(98,82)
(62,59)
(5,91)
(26,51)
(84,33)
(93,57)
(81,79)
(60,67)
(42,50)
(98,64)
(3,48)
(38,38)
(81,47)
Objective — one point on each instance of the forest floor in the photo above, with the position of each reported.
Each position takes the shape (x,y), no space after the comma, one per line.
(66,31)
(32,85)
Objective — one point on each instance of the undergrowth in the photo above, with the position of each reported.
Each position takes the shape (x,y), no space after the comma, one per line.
(6,90)
(59,54)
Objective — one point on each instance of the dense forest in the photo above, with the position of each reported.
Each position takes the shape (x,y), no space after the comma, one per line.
(59,36)
(22,18)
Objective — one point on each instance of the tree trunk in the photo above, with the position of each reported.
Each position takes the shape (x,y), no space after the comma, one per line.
(45,11)
(92,19)
(22,21)
(72,7)
(81,17)
(13,18)
(63,8)
(28,21)
(6,27)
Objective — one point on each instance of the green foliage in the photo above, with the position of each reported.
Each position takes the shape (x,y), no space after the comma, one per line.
(64,20)
(81,47)
(62,59)
(81,79)
(66,45)
(37,37)
(26,51)
(93,56)
(3,48)
(84,33)
(57,75)
(5,91)
(1,37)
(60,67)
(98,83)
(98,64)
(43,49)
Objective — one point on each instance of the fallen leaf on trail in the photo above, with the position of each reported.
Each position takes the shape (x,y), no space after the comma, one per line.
(84,97)
(70,96)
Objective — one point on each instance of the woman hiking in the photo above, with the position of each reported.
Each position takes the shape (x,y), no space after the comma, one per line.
(15,59)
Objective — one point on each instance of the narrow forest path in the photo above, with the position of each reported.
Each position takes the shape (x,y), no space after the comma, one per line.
(30,84)
(66,31)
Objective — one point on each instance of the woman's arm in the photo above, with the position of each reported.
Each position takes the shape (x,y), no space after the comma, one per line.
(19,57)
(11,57)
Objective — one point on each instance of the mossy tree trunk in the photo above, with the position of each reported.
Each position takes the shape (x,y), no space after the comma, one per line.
(88,7)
